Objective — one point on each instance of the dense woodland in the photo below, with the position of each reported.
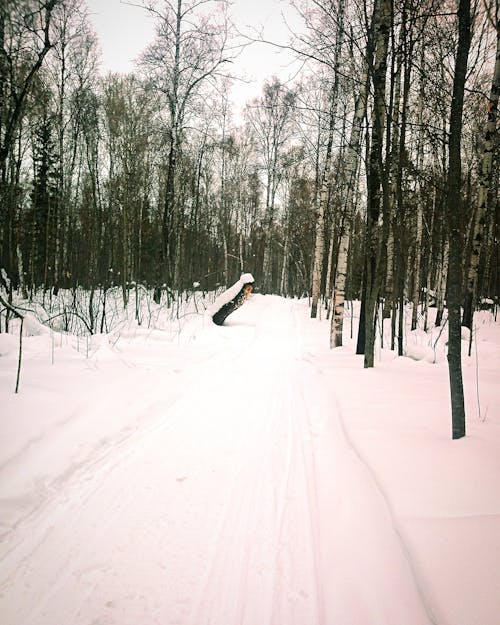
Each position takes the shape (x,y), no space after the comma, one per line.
(374,175)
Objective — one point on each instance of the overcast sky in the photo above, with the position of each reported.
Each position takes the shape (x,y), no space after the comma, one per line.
(125,30)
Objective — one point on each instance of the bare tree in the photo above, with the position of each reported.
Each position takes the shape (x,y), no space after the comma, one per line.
(485,175)
(190,49)
(269,118)
(351,168)
(377,178)
(28,24)
(324,188)
(25,40)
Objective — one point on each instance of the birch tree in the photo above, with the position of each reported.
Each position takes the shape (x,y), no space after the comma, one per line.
(485,175)
(417,240)
(189,50)
(351,168)
(322,196)
(270,118)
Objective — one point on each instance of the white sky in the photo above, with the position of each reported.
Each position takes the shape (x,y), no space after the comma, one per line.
(125,30)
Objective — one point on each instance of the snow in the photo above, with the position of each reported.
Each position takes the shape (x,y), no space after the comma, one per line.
(247,474)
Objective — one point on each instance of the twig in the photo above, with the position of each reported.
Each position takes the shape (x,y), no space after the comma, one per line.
(20,356)
(17,314)
(443,325)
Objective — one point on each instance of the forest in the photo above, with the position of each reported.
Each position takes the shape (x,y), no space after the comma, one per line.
(373,176)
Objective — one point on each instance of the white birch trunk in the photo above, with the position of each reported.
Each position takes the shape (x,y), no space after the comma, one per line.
(389,281)
(441,290)
(284,267)
(329,263)
(428,279)
(420,207)
(484,181)
(20,270)
(241,252)
(319,246)
(416,266)
(352,158)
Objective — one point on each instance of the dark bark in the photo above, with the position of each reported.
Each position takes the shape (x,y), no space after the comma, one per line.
(377,179)
(19,97)
(13,96)
(224,311)
(454,213)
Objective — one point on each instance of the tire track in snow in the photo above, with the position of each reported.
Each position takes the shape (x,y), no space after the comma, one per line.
(224,596)
(111,449)
(423,593)
(82,485)
(263,567)
(301,566)
(363,562)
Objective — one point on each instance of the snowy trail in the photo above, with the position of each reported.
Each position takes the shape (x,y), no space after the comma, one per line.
(239,503)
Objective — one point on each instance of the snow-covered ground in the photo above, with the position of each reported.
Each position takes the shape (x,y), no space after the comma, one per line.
(247,475)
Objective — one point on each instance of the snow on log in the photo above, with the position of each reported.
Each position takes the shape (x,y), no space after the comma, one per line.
(231,299)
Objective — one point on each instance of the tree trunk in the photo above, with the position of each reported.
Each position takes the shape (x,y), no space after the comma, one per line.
(397,65)
(325,181)
(165,274)
(430,266)
(416,265)
(484,186)
(284,266)
(319,246)
(398,163)
(454,214)
(268,239)
(381,31)
(441,286)
(420,203)
(351,168)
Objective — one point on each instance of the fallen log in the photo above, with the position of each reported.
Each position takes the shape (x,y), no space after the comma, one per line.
(231,299)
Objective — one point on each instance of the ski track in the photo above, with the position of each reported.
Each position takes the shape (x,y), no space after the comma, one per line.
(213,513)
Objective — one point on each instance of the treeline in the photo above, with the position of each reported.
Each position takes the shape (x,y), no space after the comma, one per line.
(336,184)
(143,178)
